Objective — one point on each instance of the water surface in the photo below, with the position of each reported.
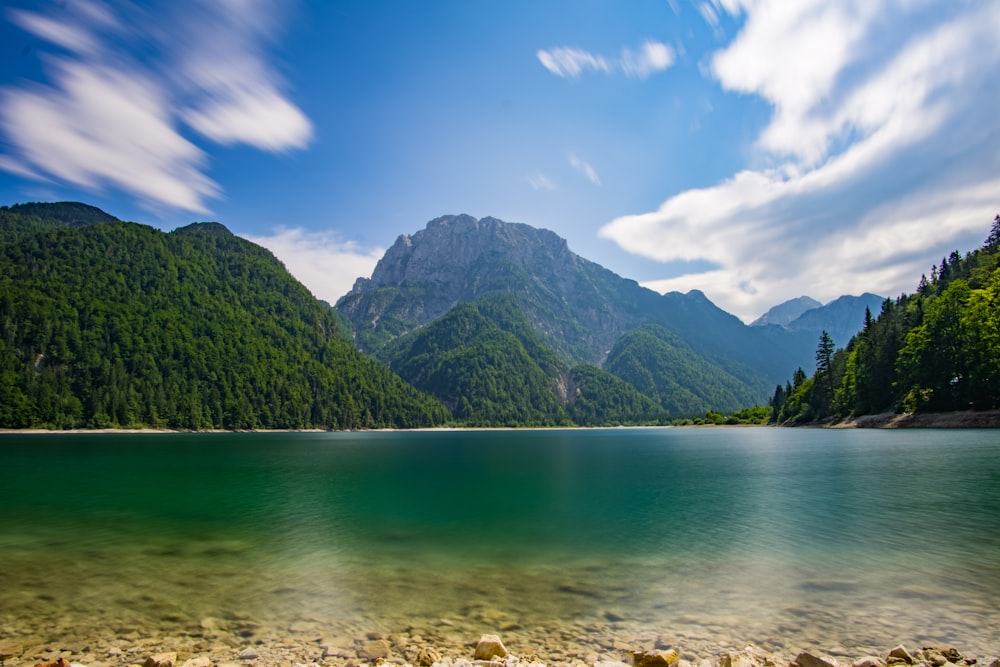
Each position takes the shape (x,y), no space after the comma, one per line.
(849,541)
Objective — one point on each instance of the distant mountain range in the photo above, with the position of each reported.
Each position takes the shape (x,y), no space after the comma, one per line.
(842,318)
(702,357)
(471,322)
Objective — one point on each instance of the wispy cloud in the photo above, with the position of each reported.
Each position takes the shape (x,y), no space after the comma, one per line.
(107,117)
(879,154)
(585,168)
(322,261)
(570,63)
(541,182)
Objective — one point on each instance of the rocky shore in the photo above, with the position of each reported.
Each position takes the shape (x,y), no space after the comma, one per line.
(436,647)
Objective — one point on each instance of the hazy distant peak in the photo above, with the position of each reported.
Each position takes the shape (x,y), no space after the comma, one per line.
(785,313)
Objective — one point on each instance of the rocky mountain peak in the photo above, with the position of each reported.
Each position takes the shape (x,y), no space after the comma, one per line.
(452,247)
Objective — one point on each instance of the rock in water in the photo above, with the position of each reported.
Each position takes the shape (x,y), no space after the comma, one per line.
(806,659)
(374,649)
(200,661)
(743,658)
(899,655)
(657,658)
(427,657)
(869,661)
(489,646)
(61,662)
(161,660)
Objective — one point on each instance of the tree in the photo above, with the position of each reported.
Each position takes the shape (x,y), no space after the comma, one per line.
(993,240)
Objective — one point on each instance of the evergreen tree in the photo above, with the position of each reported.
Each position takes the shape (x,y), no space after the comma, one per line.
(993,240)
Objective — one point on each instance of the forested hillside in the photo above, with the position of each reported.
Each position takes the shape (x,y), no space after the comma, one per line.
(661,365)
(483,360)
(111,324)
(935,350)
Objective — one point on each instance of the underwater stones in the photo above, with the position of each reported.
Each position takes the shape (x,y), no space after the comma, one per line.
(807,659)
(744,658)
(655,658)
(899,655)
(60,662)
(869,661)
(167,659)
(427,656)
(245,654)
(374,649)
(489,647)
(200,661)
(940,655)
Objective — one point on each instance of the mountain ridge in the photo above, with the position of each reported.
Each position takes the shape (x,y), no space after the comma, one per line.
(576,306)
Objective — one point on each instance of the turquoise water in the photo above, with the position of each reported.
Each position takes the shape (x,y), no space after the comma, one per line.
(846,540)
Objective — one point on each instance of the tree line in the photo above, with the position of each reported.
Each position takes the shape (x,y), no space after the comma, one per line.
(936,350)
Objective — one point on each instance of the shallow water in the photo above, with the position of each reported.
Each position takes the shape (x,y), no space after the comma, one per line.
(846,541)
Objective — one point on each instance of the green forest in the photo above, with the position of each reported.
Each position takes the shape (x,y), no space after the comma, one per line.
(105,323)
(483,360)
(110,324)
(936,350)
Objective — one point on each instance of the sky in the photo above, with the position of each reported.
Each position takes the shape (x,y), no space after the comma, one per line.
(756,150)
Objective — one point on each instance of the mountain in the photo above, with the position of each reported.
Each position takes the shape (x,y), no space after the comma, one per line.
(577,308)
(841,318)
(485,363)
(661,365)
(784,313)
(105,323)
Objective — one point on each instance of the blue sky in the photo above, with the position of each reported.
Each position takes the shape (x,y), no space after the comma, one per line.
(757,150)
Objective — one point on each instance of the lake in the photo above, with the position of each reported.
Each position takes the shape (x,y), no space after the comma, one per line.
(848,541)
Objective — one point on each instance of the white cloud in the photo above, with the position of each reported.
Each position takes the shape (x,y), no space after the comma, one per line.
(571,63)
(881,151)
(321,261)
(651,57)
(585,168)
(109,118)
(541,182)
(100,126)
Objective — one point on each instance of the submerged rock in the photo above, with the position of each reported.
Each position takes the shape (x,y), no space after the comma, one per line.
(899,655)
(655,658)
(869,661)
(61,662)
(161,660)
(489,647)
(427,656)
(807,659)
(374,649)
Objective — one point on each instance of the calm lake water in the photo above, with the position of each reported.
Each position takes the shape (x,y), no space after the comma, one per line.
(850,541)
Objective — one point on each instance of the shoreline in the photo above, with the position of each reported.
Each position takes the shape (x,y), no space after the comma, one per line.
(886,420)
(427,647)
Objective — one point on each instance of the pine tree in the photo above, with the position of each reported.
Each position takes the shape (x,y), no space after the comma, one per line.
(993,240)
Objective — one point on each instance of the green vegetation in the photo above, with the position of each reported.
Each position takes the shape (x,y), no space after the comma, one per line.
(483,360)
(661,365)
(935,350)
(112,324)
